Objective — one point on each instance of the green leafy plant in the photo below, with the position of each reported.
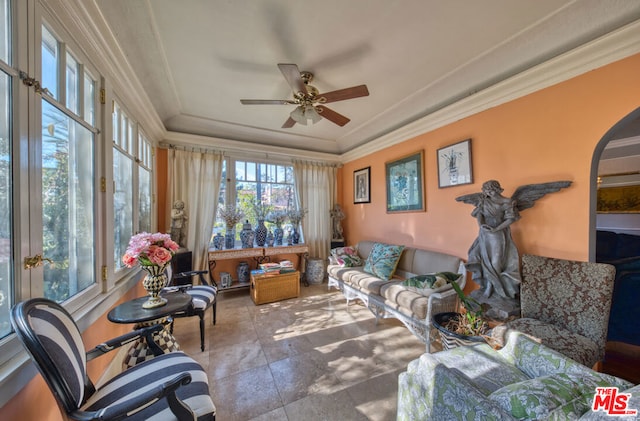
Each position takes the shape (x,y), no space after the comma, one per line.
(471,322)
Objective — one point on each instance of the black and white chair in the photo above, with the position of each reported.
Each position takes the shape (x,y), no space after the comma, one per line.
(171,386)
(203,296)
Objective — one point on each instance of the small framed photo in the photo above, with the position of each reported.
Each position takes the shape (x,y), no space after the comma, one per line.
(405,184)
(362,185)
(454,164)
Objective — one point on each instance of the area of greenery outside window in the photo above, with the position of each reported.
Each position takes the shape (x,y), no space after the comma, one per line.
(250,182)
(6,179)
(68,173)
(132,169)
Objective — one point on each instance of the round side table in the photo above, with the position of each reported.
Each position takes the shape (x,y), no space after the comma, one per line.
(132,312)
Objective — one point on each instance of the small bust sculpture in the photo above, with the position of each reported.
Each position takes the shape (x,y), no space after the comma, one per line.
(336,218)
(179,223)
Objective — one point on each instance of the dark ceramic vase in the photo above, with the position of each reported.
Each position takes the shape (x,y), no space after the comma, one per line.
(261,233)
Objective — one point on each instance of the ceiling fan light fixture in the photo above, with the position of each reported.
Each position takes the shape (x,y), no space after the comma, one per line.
(298,115)
(303,113)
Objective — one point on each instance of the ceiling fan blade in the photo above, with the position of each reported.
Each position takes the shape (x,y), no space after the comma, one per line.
(266,101)
(292,75)
(346,93)
(289,123)
(331,115)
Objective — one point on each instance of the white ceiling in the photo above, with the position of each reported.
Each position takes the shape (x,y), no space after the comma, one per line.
(197,58)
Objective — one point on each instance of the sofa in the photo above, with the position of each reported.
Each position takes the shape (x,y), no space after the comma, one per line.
(389,298)
(524,380)
(622,251)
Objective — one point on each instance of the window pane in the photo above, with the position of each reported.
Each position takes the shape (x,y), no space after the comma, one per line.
(122,204)
(251,171)
(116,125)
(89,99)
(241,174)
(144,194)
(49,62)
(67,204)
(6,241)
(72,84)
(5,32)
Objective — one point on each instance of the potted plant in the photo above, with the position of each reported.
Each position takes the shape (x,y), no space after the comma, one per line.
(464,328)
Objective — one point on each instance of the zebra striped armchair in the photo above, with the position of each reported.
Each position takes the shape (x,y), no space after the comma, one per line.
(168,387)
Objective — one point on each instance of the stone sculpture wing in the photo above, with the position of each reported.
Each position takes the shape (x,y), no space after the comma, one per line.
(471,199)
(526,196)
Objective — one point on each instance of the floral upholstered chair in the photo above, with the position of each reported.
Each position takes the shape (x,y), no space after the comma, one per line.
(522,381)
(565,305)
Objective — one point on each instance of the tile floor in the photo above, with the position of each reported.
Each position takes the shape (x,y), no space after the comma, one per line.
(309,358)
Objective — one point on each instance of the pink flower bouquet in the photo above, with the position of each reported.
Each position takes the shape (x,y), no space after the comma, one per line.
(150,250)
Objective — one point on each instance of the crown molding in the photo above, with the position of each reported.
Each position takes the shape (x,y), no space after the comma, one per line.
(607,49)
(245,149)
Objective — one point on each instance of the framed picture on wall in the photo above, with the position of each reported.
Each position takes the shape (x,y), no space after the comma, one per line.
(454,164)
(362,185)
(618,193)
(405,183)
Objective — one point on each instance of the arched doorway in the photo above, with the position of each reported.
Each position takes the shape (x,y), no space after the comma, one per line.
(614,226)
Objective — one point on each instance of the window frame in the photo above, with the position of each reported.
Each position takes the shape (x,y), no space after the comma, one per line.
(139,150)
(228,191)
(91,304)
(79,300)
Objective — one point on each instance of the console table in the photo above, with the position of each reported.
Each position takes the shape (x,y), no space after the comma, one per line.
(260,255)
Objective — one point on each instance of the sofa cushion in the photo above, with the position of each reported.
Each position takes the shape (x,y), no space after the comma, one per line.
(344,273)
(573,345)
(369,283)
(556,396)
(346,256)
(383,260)
(399,298)
(482,366)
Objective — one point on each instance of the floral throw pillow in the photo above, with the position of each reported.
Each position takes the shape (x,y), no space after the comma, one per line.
(346,257)
(383,260)
(430,283)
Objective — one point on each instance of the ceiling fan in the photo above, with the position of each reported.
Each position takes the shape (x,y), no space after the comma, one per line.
(310,103)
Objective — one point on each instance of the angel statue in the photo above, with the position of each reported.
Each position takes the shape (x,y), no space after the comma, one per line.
(493,256)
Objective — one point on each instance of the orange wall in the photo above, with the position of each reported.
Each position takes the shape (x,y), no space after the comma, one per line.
(546,136)
(161,179)
(36,402)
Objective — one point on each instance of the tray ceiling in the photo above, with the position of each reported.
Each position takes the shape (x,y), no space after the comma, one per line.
(196,59)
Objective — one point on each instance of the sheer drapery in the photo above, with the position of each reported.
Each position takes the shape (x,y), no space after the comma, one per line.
(316,191)
(194,177)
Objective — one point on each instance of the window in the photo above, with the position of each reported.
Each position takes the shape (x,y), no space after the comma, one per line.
(6,179)
(268,183)
(144,183)
(132,162)
(56,153)
(68,178)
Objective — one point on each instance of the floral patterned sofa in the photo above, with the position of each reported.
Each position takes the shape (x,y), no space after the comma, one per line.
(524,380)
(374,272)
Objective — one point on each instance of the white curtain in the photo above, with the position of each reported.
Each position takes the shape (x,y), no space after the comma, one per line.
(316,191)
(194,177)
